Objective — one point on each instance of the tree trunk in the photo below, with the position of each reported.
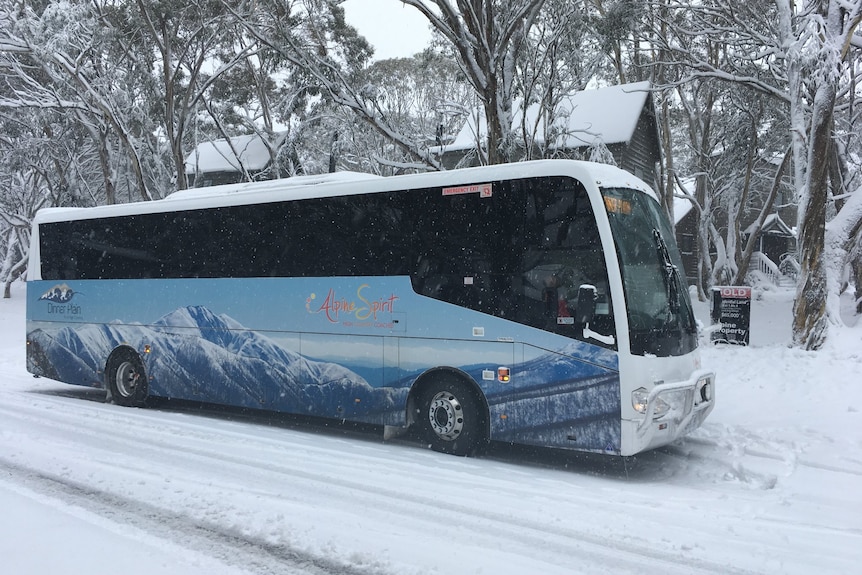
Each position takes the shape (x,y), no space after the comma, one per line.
(812,309)
(810,319)
(495,131)
(105,163)
(16,272)
(856,267)
(766,209)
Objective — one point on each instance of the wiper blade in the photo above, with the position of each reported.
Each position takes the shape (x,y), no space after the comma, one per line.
(671,274)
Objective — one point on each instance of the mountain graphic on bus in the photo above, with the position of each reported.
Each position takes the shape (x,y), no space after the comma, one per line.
(202,356)
(198,355)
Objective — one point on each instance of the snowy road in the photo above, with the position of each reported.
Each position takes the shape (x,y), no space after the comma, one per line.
(87,486)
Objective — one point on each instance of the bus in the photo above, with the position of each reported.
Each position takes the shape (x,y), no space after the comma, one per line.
(537,303)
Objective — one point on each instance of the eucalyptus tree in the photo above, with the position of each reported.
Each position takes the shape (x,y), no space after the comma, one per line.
(559,58)
(619,30)
(59,58)
(826,245)
(488,37)
(314,37)
(424,97)
(747,175)
(263,95)
(47,161)
(180,46)
(802,56)
(14,228)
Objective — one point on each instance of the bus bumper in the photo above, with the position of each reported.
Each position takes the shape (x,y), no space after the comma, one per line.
(672,411)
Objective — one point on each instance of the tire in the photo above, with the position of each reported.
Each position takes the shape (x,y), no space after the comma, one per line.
(450,417)
(126,378)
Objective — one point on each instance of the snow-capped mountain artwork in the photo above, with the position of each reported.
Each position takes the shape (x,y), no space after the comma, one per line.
(196,354)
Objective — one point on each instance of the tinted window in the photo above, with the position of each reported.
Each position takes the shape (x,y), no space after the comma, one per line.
(356,235)
(520,254)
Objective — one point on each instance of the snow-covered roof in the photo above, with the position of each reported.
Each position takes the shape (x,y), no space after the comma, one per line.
(682,206)
(772,224)
(219,156)
(605,115)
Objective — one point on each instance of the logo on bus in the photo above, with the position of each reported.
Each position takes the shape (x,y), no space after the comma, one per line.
(360,312)
(59,300)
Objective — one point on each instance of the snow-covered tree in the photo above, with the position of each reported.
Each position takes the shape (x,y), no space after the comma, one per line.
(424,96)
(264,95)
(45,163)
(825,32)
(799,55)
(181,46)
(619,29)
(315,38)
(487,36)
(558,58)
(59,59)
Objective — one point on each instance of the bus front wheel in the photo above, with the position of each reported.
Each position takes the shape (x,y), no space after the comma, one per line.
(449,417)
(127,380)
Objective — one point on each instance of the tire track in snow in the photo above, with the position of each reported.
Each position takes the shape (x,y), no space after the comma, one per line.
(789,457)
(529,537)
(228,546)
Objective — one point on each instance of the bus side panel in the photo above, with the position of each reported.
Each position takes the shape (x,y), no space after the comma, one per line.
(551,400)
(339,347)
(559,399)
(214,363)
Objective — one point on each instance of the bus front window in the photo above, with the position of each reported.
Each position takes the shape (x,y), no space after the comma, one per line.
(661,321)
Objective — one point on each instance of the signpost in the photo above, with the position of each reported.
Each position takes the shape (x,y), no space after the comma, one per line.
(731,307)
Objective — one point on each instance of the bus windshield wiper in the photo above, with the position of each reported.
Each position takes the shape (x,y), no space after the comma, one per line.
(670,275)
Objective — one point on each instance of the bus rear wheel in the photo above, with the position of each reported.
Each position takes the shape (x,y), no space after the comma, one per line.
(449,418)
(126,378)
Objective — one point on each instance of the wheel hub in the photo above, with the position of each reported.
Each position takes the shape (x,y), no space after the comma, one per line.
(446,416)
(127,379)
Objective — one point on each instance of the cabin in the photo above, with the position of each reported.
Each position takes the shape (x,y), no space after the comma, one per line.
(774,256)
(615,125)
(685,231)
(226,161)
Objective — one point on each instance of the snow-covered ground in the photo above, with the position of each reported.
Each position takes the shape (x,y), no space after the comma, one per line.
(771,484)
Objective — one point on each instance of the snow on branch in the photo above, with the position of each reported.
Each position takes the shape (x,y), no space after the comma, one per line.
(847,223)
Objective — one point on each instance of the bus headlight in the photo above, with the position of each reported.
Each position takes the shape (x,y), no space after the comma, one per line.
(639,399)
(640,402)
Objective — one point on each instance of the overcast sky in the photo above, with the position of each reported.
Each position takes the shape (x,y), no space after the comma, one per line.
(395,30)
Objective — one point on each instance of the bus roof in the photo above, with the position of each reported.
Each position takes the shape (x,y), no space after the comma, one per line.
(280,184)
(350,183)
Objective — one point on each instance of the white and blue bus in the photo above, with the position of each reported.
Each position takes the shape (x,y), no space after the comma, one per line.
(537,303)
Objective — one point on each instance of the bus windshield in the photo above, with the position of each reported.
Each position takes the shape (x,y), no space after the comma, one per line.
(661,320)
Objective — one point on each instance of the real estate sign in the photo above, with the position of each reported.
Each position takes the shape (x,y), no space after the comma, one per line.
(731,307)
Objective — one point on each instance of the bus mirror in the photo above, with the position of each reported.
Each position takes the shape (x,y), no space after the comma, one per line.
(587,296)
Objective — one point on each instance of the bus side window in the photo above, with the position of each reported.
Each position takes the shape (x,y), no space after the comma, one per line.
(562,251)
